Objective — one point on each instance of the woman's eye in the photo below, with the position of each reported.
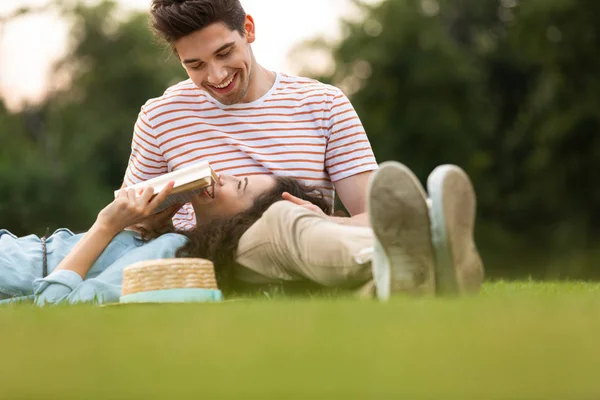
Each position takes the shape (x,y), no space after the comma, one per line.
(197,67)
(239,185)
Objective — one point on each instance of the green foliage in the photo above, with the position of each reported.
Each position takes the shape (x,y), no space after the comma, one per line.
(64,159)
(507,89)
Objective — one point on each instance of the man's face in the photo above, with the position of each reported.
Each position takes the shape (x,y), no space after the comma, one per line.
(219,60)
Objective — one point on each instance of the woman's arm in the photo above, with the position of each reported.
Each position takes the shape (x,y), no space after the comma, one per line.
(86,252)
(127,209)
(106,287)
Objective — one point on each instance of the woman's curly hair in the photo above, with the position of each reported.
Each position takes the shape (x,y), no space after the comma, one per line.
(217,240)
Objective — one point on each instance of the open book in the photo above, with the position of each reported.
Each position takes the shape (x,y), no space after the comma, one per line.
(189,181)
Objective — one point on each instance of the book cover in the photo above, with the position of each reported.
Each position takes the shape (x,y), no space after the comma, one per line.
(189,181)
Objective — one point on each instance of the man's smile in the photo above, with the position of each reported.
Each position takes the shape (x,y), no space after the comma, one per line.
(224,87)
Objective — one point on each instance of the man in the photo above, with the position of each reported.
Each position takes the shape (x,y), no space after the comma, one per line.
(241,117)
(246,120)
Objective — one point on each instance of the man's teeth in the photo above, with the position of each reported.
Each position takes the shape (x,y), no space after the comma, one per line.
(224,85)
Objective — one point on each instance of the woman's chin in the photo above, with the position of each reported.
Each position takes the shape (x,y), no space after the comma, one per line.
(203,208)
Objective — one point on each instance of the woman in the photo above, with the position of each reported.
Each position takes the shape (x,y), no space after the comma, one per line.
(88,266)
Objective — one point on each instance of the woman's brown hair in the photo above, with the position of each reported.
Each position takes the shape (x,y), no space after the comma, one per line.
(217,240)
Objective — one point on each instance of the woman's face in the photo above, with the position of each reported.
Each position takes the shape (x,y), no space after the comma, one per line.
(232,195)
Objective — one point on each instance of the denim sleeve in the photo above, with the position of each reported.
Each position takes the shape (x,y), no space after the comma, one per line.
(55,286)
(64,287)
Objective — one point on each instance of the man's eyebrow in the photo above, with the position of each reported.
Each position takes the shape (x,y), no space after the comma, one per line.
(220,49)
(226,45)
(246,179)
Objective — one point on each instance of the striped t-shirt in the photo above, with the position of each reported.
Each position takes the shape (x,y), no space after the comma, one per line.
(300,128)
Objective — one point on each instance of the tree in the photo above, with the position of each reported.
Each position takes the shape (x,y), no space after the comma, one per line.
(74,148)
(506,89)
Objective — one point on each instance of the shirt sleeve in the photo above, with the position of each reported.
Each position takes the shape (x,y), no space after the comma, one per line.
(55,286)
(146,160)
(348,151)
(68,287)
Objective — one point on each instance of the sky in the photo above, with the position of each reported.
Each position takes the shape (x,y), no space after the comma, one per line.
(29,45)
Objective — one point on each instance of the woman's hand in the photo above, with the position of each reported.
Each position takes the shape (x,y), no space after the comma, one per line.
(127,209)
(153,225)
(130,207)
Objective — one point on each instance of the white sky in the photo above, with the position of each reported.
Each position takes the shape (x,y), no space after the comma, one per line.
(29,45)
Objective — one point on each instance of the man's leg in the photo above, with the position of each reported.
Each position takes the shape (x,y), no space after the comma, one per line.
(404,258)
(291,243)
(430,245)
(453,206)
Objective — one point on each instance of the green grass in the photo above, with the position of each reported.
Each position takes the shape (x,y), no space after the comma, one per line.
(514,340)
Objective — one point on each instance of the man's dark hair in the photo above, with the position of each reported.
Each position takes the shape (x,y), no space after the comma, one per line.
(173,19)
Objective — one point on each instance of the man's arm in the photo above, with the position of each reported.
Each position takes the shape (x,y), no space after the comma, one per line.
(353,194)
(349,161)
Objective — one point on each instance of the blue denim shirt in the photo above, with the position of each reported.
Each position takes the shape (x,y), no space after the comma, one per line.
(21,266)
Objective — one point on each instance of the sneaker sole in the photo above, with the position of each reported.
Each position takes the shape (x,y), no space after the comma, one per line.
(453,209)
(404,256)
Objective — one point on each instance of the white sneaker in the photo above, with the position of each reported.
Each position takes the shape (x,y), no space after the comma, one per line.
(403,258)
(453,203)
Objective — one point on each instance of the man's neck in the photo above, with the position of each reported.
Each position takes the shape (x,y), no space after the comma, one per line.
(261,81)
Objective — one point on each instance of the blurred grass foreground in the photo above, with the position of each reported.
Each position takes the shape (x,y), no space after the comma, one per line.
(513,341)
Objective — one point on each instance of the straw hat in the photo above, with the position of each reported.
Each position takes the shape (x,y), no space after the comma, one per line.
(174,280)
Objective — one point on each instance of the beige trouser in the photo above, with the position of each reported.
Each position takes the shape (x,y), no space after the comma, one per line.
(290,244)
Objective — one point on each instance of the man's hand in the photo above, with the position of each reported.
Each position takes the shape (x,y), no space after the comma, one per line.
(303,203)
(356,220)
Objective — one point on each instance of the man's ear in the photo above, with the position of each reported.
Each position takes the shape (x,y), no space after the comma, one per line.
(249,28)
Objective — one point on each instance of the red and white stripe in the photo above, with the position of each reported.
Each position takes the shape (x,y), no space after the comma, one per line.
(301,128)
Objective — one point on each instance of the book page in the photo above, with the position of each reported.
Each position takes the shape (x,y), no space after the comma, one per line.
(178,198)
